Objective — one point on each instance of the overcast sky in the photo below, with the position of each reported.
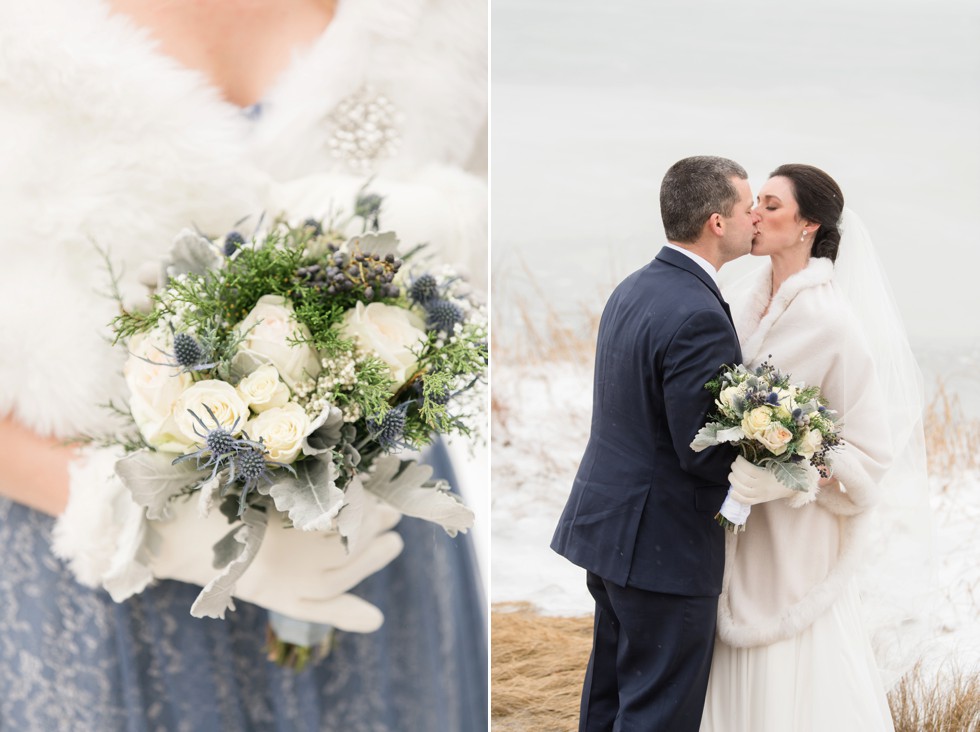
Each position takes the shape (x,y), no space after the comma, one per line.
(592,102)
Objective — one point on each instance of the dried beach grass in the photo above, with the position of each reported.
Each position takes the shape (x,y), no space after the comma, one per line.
(952,440)
(946,702)
(538,664)
(539,333)
(537,667)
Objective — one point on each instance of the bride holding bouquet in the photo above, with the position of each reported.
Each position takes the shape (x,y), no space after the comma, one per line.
(126,123)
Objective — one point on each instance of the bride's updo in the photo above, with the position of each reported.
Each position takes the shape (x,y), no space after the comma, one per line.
(820,201)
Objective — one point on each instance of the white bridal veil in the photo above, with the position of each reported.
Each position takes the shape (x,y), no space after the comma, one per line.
(897,578)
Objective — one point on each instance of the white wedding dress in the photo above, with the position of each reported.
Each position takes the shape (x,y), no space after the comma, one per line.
(793,652)
(824,678)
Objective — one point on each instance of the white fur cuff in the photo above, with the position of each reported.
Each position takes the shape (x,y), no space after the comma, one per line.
(100,523)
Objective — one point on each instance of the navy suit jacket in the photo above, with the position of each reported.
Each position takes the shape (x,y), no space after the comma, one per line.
(641,510)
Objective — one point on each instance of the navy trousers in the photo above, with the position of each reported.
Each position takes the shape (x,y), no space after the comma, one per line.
(651,654)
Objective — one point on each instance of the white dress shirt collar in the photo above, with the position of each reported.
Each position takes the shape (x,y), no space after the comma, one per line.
(700,261)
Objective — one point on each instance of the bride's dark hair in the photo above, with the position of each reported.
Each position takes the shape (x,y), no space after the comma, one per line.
(820,201)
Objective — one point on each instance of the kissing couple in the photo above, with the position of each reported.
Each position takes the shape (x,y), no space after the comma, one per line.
(696,627)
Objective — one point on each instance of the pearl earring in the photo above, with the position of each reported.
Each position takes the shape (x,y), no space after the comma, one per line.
(803,235)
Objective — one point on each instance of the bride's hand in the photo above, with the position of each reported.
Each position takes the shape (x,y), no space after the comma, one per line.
(752,485)
(303,574)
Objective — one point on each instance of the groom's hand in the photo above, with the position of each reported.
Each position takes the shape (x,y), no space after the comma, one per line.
(752,484)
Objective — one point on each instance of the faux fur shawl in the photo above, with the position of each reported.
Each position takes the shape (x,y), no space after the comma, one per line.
(108,144)
(792,563)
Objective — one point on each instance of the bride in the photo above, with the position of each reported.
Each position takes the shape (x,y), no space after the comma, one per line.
(792,651)
(124,122)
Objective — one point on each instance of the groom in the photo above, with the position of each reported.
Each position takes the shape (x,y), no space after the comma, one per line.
(640,517)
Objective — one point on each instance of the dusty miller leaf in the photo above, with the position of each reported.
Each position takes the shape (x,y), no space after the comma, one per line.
(325,432)
(706,437)
(208,492)
(791,475)
(732,434)
(404,486)
(153,480)
(350,516)
(216,597)
(311,498)
(193,253)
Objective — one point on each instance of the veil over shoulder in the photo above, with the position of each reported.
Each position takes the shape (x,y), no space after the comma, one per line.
(898,575)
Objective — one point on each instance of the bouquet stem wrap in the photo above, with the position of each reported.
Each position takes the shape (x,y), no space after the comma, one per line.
(732,514)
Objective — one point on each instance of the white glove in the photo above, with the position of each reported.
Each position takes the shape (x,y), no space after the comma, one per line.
(302,574)
(752,485)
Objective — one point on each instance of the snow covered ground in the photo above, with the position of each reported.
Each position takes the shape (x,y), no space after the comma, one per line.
(540,429)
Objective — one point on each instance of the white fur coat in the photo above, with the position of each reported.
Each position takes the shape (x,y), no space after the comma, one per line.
(108,144)
(790,564)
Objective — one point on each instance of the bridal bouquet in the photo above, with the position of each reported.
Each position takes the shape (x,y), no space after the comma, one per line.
(784,427)
(286,375)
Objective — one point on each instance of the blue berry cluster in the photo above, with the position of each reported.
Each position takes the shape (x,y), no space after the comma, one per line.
(370,275)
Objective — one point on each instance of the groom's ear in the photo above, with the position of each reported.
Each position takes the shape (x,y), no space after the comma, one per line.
(715,224)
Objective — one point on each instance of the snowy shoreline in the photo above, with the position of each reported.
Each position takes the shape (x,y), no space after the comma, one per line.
(540,428)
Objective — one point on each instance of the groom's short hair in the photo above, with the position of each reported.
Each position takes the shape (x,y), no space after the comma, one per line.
(693,189)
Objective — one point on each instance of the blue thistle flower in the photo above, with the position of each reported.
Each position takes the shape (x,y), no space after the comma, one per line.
(220,444)
(188,355)
(442,315)
(249,468)
(424,289)
(244,457)
(391,428)
(220,441)
(187,351)
(773,398)
(233,242)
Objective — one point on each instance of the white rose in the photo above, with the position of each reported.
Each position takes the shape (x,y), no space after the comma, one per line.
(388,332)
(775,438)
(262,389)
(727,397)
(218,396)
(271,330)
(810,443)
(282,431)
(756,422)
(154,389)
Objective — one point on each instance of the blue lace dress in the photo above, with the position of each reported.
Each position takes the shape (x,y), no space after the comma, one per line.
(72,659)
